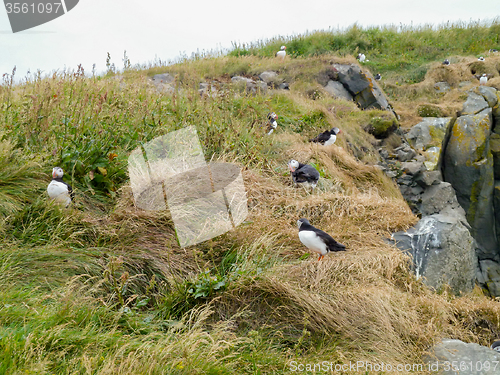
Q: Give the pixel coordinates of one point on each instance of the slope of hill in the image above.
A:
(104, 288)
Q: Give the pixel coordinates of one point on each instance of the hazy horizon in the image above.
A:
(159, 31)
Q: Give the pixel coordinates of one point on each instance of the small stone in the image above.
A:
(268, 76)
(442, 87)
(406, 155)
(412, 167)
(428, 178)
(383, 153)
(405, 180)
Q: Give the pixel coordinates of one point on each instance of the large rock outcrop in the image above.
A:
(468, 166)
(429, 137)
(350, 82)
(443, 251)
(466, 155)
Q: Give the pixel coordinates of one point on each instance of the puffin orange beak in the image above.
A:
(54, 174)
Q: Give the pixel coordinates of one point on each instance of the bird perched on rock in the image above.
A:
(272, 124)
(483, 80)
(446, 62)
(481, 58)
(496, 346)
(378, 77)
(281, 53)
(303, 174)
(328, 137)
(317, 240)
(59, 190)
(361, 57)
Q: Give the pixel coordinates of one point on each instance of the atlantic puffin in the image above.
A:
(481, 58)
(303, 174)
(281, 53)
(483, 80)
(378, 77)
(272, 124)
(446, 62)
(317, 240)
(59, 190)
(496, 346)
(361, 57)
(327, 137)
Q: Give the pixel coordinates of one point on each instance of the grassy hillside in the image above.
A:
(104, 288)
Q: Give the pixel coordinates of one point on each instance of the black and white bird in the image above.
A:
(59, 190)
(361, 57)
(496, 346)
(493, 50)
(281, 53)
(272, 124)
(483, 80)
(481, 58)
(328, 137)
(317, 240)
(303, 174)
(378, 77)
(446, 62)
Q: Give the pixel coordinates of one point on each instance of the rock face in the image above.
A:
(456, 357)
(337, 89)
(350, 82)
(429, 136)
(460, 174)
(468, 166)
(442, 250)
(474, 104)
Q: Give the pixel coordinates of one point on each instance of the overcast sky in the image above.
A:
(166, 29)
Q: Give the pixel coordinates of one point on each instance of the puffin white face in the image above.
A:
(283, 48)
(57, 172)
(302, 221)
(497, 349)
(272, 116)
(336, 131)
(293, 165)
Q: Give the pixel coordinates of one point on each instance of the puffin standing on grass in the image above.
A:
(281, 53)
(446, 62)
(378, 77)
(481, 59)
(59, 190)
(327, 137)
(303, 174)
(272, 124)
(483, 80)
(317, 240)
(361, 57)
